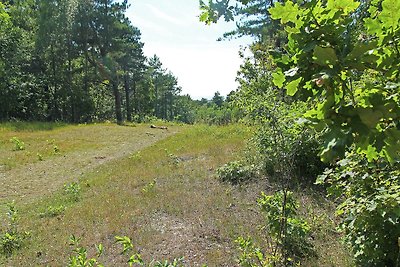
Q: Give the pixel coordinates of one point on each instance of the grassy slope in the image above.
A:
(187, 213)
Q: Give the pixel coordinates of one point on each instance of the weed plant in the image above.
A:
(149, 187)
(53, 211)
(79, 256)
(18, 144)
(12, 239)
(73, 190)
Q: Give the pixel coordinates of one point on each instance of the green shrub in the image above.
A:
(253, 256)
(370, 208)
(289, 235)
(79, 258)
(290, 232)
(298, 147)
(236, 172)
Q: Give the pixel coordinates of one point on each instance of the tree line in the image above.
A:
(80, 61)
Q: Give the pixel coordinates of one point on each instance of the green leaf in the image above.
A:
(390, 14)
(125, 242)
(278, 78)
(369, 116)
(286, 13)
(325, 56)
(373, 26)
(135, 259)
(346, 6)
(100, 250)
(360, 49)
(371, 153)
(293, 86)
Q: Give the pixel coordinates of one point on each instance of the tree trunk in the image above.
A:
(135, 104)
(156, 106)
(127, 99)
(117, 96)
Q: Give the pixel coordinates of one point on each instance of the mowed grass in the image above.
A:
(166, 198)
(48, 140)
(54, 155)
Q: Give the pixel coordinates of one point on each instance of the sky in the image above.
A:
(188, 48)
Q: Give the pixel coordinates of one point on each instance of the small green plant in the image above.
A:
(52, 142)
(289, 232)
(39, 156)
(135, 155)
(12, 238)
(53, 211)
(73, 189)
(18, 144)
(79, 258)
(173, 158)
(56, 149)
(289, 235)
(252, 256)
(149, 187)
(236, 172)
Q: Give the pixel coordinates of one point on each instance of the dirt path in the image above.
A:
(27, 182)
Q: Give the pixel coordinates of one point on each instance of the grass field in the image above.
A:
(156, 186)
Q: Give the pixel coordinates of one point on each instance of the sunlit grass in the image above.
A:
(183, 211)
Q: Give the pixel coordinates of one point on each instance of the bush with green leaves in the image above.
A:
(370, 208)
(342, 57)
(281, 139)
(345, 56)
(236, 172)
(12, 238)
(290, 232)
(300, 152)
(79, 258)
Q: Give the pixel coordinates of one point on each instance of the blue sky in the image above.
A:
(187, 47)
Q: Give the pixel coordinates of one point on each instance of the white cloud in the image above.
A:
(187, 47)
(201, 72)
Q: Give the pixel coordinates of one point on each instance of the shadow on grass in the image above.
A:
(23, 126)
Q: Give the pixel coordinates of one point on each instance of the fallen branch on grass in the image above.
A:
(158, 127)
